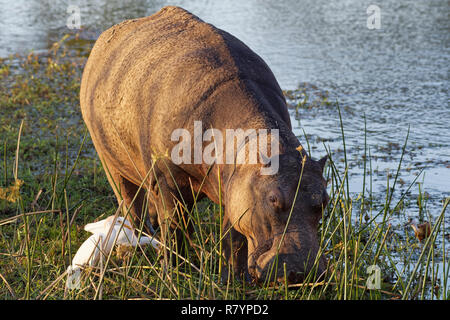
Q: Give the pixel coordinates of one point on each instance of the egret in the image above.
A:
(123, 227)
(106, 233)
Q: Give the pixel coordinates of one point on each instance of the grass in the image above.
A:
(52, 184)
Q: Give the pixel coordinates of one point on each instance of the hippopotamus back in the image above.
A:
(164, 71)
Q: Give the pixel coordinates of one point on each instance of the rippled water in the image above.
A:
(395, 77)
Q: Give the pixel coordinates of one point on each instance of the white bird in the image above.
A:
(127, 235)
(88, 254)
(90, 251)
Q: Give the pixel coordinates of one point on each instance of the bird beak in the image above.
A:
(95, 227)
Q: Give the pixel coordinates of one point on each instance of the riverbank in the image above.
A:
(52, 184)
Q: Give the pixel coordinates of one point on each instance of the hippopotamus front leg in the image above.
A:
(235, 250)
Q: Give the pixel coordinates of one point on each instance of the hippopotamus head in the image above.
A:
(279, 223)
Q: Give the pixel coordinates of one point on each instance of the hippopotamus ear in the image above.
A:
(322, 162)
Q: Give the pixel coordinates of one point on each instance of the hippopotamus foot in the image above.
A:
(235, 251)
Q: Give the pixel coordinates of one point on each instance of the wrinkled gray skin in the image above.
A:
(147, 77)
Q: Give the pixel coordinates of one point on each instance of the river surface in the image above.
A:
(386, 79)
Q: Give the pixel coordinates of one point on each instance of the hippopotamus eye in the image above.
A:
(275, 199)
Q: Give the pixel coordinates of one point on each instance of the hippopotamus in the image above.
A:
(147, 78)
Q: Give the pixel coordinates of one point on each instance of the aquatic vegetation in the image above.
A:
(11, 193)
